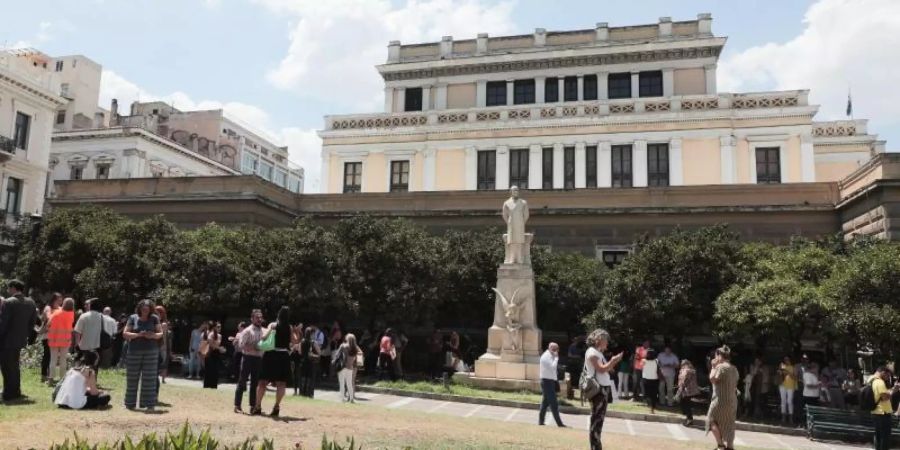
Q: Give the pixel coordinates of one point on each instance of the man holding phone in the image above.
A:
(549, 376)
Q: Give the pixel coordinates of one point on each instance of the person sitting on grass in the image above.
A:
(78, 389)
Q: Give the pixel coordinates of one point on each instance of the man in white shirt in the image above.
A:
(88, 329)
(549, 363)
(668, 364)
(109, 327)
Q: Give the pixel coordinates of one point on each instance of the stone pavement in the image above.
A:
(578, 422)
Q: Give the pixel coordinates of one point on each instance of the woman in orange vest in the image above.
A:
(59, 338)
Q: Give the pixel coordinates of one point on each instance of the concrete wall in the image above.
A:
(700, 158)
(450, 170)
(461, 95)
(690, 81)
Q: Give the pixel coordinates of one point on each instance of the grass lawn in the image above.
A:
(517, 396)
(38, 424)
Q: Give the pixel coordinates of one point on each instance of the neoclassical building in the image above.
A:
(609, 107)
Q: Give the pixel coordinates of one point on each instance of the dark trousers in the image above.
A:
(96, 401)
(9, 368)
(236, 359)
(250, 366)
(882, 431)
(687, 407)
(386, 367)
(45, 360)
(309, 377)
(651, 392)
(598, 415)
(548, 398)
(807, 401)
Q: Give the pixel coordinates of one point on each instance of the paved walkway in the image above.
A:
(612, 425)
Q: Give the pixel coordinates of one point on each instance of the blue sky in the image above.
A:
(280, 65)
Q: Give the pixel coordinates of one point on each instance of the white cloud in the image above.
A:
(335, 45)
(845, 44)
(303, 144)
(46, 32)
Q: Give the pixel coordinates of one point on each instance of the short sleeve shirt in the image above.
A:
(137, 325)
(602, 378)
(89, 326)
(386, 344)
(879, 388)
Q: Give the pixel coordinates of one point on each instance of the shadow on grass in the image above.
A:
(21, 401)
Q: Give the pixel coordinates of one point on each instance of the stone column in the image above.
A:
(471, 168)
(580, 88)
(326, 170)
(580, 170)
(388, 99)
(426, 98)
(635, 84)
(561, 90)
(440, 96)
(429, 170)
(559, 170)
(807, 158)
(481, 93)
(401, 99)
(502, 176)
(604, 165)
(726, 152)
(535, 166)
(639, 164)
(603, 86)
(676, 169)
(668, 82)
(510, 91)
(710, 71)
(539, 89)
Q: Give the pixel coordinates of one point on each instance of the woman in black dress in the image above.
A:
(276, 363)
(213, 362)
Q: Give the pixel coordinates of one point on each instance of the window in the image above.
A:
(59, 66)
(590, 169)
(590, 87)
(570, 89)
(551, 90)
(61, 117)
(547, 163)
(400, 176)
(613, 258)
(281, 178)
(768, 165)
(621, 166)
(76, 173)
(651, 84)
(496, 93)
(619, 85)
(23, 124)
(518, 168)
(658, 164)
(266, 169)
(103, 171)
(13, 195)
(248, 163)
(569, 168)
(413, 101)
(523, 92)
(294, 184)
(487, 170)
(352, 177)
(64, 89)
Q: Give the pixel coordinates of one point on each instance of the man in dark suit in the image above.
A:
(17, 318)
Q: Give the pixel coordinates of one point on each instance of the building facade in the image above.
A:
(213, 135)
(29, 99)
(79, 79)
(609, 107)
(121, 153)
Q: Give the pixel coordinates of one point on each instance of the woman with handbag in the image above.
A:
(687, 390)
(276, 364)
(596, 384)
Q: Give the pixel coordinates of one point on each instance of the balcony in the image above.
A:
(7, 149)
(569, 110)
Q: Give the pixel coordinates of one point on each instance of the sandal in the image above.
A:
(275, 412)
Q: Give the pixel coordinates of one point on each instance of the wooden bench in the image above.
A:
(833, 423)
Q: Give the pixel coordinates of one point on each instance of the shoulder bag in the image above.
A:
(267, 344)
(588, 385)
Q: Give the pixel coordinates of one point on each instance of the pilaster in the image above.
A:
(603, 86)
(535, 166)
(604, 165)
(807, 158)
(429, 170)
(639, 164)
(440, 96)
(726, 152)
(426, 98)
(676, 169)
(580, 172)
(502, 180)
(388, 99)
(668, 82)
(539, 83)
(710, 72)
(481, 93)
(558, 166)
(471, 168)
(635, 84)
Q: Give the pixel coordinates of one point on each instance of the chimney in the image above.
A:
(114, 113)
(704, 23)
(665, 26)
(602, 32)
(481, 44)
(540, 37)
(446, 46)
(393, 52)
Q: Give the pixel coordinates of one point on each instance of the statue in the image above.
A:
(511, 310)
(515, 214)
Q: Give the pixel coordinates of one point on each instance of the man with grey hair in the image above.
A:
(549, 362)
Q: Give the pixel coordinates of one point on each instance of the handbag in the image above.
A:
(589, 386)
(267, 344)
(204, 349)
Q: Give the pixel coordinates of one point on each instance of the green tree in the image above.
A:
(568, 286)
(468, 270)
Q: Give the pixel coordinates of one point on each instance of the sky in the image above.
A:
(279, 66)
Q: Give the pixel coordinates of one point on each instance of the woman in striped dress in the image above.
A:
(143, 332)
(723, 408)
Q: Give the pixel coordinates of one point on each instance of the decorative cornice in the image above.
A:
(52, 100)
(556, 63)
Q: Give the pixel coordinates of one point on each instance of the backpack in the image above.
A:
(337, 360)
(867, 398)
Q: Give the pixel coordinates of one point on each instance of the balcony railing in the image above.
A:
(7, 148)
(549, 111)
(839, 128)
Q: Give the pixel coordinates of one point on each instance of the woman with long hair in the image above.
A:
(165, 344)
(346, 376)
(52, 306)
(309, 362)
(687, 390)
(597, 368)
(59, 339)
(143, 332)
(723, 407)
(213, 361)
(276, 363)
(651, 374)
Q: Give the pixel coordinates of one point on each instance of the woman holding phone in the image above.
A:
(143, 332)
(598, 368)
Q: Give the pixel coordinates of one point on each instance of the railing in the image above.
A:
(839, 128)
(7, 145)
(599, 108)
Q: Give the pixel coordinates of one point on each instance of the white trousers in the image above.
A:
(667, 390)
(58, 362)
(787, 400)
(623, 384)
(345, 384)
